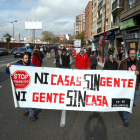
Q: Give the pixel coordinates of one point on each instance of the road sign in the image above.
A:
(21, 79)
(77, 43)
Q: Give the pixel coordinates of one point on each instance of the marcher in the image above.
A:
(111, 63)
(120, 53)
(57, 57)
(131, 64)
(36, 60)
(48, 52)
(82, 60)
(70, 51)
(24, 62)
(93, 60)
(138, 55)
(40, 55)
(65, 59)
(29, 52)
(56, 50)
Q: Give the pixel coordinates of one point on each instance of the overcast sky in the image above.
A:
(57, 16)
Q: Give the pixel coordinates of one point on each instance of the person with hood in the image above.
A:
(111, 63)
(36, 60)
(24, 62)
(82, 60)
(131, 64)
(65, 59)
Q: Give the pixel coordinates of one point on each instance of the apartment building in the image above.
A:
(79, 24)
(107, 12)
(130, 24)
(88, 21)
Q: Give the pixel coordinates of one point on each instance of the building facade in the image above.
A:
(106, 17)
(88, 21)
(130, 24)
(79, 24)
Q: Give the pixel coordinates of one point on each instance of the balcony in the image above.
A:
(115, 24)
(100, 17)
(117, 5)
(99, 30)
(100, 5)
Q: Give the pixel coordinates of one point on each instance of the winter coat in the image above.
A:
(65, 60)
(48, 50)
(36, 61)
(19, 63)
(82, 62)
(93, 60)
(110, 65)
(123, 66)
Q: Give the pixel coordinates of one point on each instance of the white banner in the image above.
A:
(69, 89)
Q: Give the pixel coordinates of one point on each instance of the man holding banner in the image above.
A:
(131, 64)
(24, 62)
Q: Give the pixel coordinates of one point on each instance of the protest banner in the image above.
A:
(69, 89)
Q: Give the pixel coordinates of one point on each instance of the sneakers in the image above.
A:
(26, 113)
(32, 118)
(125, 123)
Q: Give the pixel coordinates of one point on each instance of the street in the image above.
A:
(79, 125)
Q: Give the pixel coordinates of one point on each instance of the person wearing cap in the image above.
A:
(82, 60)
(65, 59)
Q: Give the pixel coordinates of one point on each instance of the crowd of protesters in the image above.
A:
(84, 60)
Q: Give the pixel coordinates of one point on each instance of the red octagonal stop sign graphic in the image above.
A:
(21, 79)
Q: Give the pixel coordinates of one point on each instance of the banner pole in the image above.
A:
(63, 118)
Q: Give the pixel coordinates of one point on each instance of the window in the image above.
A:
(107, 21)
(132, 3)
(113, 1)
(99, 1)
(101, 11)
(99, 25)
(94, 6)
(104, 8)
(107, 5)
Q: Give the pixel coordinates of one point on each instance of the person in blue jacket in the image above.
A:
(24, 62)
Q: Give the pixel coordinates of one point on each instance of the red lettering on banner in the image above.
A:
(104, 101)
(102, 81)
(52, 76)
(77, 81)
(66, 80)
(55, 96)
(99, 100)
(72, 81)
(60, 80)
(109, 82)
(49, 97)
(96, 100)
(130, 83)
(124, 81)
(35, 97)
(42, 97)
(116, 82)
(87, 96)
(61, 98)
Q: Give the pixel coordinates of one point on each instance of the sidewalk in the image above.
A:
(101, 65)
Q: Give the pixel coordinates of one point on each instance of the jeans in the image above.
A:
(126, 114)
(31, 111)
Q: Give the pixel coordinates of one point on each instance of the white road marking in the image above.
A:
(0, 86)
(54, 62)
(6, 60)
(6, 64)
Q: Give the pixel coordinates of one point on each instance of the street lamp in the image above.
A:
(13, 31)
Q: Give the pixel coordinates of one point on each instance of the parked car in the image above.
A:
(19, 52)
(3, 51)
(14, 49)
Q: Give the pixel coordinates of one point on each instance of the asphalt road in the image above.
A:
(79, 125)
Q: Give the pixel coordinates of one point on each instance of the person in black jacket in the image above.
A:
(65, 59)
(110, 64)
(48, 49)
(57, 57)
(93, 60)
